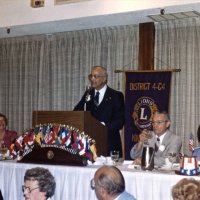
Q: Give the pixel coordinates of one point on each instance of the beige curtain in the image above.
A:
(178, 46)
(49, 72)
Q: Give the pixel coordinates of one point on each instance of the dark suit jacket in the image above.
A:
(1, 197)
(110, 111)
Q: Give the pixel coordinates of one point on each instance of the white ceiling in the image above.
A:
(22, 19)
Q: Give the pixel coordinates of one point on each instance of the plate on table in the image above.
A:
(132, 166)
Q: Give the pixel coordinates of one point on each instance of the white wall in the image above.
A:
(19, 12)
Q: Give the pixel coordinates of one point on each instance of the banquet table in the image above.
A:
(73, 182)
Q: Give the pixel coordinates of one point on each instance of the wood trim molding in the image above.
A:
(146, 46)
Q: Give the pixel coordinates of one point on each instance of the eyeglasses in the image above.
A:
(92, 184)
(158, 122)
(28, 189)
(90, 76)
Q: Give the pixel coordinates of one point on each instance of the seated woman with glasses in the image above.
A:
(109, 183)
(39, 184)
(161, 139)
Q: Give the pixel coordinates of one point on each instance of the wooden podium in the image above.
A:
(78, 119)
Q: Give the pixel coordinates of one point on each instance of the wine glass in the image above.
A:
(114, 156)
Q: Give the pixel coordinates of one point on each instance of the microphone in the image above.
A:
(88, 88)
(87, 97)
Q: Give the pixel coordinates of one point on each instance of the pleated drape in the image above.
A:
(178, 46)
(49, 72)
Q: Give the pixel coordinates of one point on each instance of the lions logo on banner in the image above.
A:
(142, 112)
(145, 93)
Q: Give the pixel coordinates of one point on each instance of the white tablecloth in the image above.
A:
(73, 183)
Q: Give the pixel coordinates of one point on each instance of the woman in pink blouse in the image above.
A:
(6, 136)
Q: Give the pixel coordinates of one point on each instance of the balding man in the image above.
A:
(106, 105)
(109, 184)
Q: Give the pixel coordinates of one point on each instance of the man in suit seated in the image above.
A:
(109, 183)
(106, 105)
(161, 139)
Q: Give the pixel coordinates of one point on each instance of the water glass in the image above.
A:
(114, 156)
(3, 150)
(172, 157)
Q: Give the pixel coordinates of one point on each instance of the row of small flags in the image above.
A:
(52, 134)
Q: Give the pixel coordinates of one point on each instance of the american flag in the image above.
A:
(191, 142)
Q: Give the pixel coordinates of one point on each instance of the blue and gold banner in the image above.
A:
(145, 92)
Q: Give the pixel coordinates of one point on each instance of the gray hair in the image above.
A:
(104, 71)
(46, 181)
(112, 180)
(163, 113)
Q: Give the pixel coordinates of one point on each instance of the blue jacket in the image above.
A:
(196, 153)
(126, 196)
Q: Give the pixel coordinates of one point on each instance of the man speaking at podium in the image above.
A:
(106, 105)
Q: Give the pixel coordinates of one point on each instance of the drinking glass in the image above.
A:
(114, 156)
(148, 134)
(172, 157)
(3, 150)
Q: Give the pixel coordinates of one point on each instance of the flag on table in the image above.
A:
(191, 142)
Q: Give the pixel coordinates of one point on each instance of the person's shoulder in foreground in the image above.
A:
(109, 183)
(186, 189)
(126, 196)
(1, 197)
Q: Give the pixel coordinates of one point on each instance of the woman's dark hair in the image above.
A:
(5, 118)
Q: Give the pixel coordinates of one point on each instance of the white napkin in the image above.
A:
(100, 160)
(167, 165)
